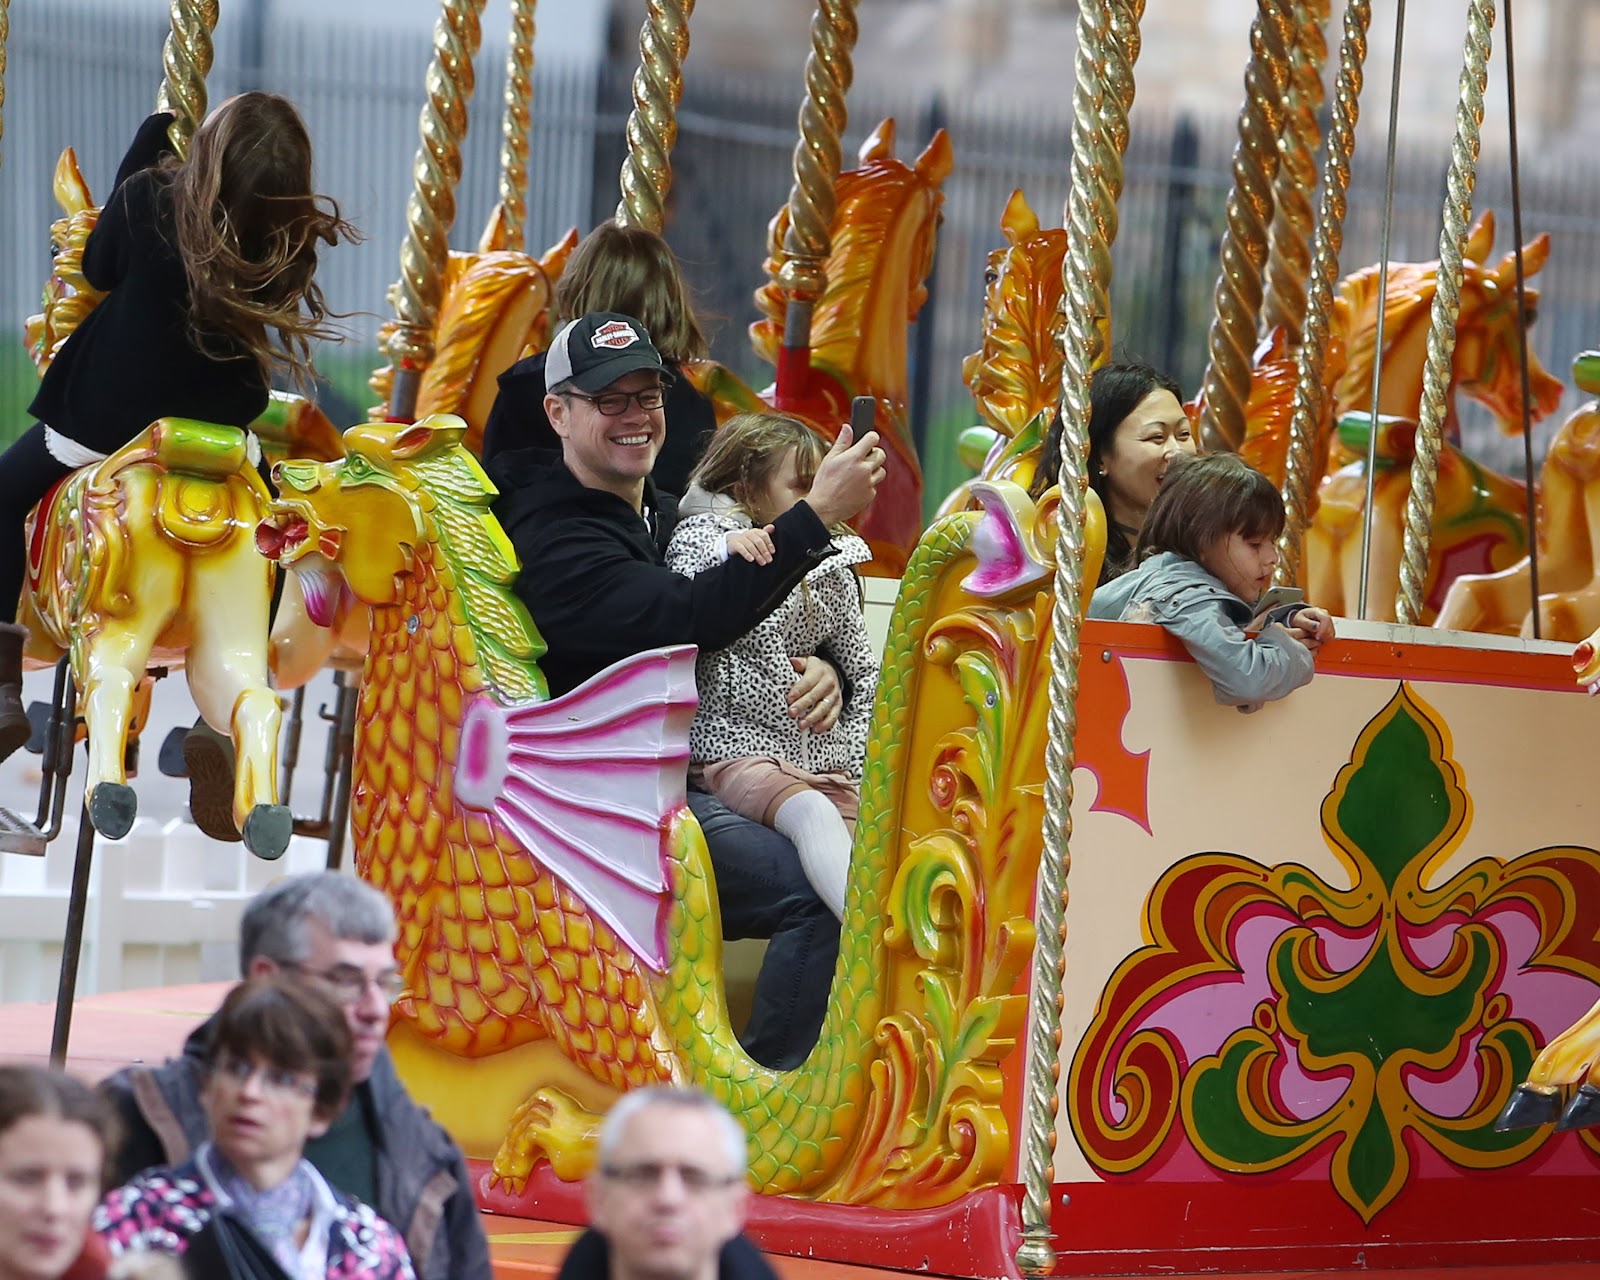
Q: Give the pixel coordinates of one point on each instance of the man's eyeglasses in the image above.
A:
(347, 984)
(277, 1080)
(613, 404)
(646, 1174)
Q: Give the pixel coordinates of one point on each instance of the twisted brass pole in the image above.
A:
(5, 35)
(1108, 43)
(185, 62)
(653, 122)
(1289, 260)
(1459, 183)
(431, 208)
(1310, 396)
(812, 199)
(1237, 297)
(516, 123)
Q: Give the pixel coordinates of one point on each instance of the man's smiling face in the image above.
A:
(611, 452)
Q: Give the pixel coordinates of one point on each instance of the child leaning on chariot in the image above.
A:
(205, 262)
(1204, 558)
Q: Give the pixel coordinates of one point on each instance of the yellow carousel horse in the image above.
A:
(148, 558)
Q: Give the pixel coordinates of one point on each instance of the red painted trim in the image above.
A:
(976, 1236)
(1416, 662)
(1253, 1224)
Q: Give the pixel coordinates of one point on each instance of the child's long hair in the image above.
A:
(747, 450)
(1204, 499)
(248, 223)
(635, 272)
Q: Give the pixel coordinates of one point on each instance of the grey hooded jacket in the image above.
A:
(1182, 597)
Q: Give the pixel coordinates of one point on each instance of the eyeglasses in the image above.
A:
(648, 1173)
(347, 984)
(276, 1080)
(613, 404)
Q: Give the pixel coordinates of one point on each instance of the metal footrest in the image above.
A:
(18, 835)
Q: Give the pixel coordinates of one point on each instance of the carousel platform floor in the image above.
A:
(116, 1030)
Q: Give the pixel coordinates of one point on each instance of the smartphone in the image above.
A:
(863, 416)
(1276, 597)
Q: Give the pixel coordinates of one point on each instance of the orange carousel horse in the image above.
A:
(882, 239)
(1478, 524)
(1015, 380)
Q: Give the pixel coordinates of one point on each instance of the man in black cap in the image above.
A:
(592, 532)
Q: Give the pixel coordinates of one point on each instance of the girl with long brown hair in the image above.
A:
(746, 745)
(209, 264)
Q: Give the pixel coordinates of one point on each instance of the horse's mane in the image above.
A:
(455, 496)
(1411, 289)
(870, 200)
(1020, 359)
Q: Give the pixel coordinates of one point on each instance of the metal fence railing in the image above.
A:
(361, 94)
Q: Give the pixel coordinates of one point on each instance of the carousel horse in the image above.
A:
(554, 893)
(1569, 532)
(1017, 369)
(494, 310)
(1478, 523)
(882, 239)
(147, 558)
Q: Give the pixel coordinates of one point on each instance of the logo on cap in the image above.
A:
(614, 334)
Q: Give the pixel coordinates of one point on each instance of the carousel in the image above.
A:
(1128, 984)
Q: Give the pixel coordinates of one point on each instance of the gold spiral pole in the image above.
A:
(517, 123)
(1237, 298)
(653, 122)
(1108, 43)
(812, 199)
(5, 35)
(185, 62)
(1289, 259)
(431, 209)
(1459, 182)
(1310, 396)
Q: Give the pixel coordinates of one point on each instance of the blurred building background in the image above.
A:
(996, 73)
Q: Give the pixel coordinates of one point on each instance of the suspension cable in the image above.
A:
(1383, 299)
(1522, 327)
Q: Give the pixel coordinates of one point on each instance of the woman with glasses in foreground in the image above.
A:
(248, 1204)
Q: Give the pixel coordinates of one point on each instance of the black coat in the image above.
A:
(517, 420)
(594, 573)
(132, 359)
(590, 1259)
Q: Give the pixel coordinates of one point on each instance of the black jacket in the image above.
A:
(132, 359)
(594, 573)
(424, 1190)
(590, 1259)
(517, 420)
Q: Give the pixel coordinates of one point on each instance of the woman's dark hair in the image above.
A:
(292, 1026)
(248, 223)
(35, 1091)
(1116, 389)
(1204, 499)
(632, 271)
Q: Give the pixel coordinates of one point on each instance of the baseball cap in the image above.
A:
(595, 350)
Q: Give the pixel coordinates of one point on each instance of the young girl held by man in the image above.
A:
(209, 267)
(746, 747)
(1205, 557)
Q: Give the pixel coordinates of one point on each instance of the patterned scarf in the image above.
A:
(274, 1214)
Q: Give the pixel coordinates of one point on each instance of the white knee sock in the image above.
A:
(823, 839)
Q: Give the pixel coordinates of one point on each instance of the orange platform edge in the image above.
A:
(123, 1028)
